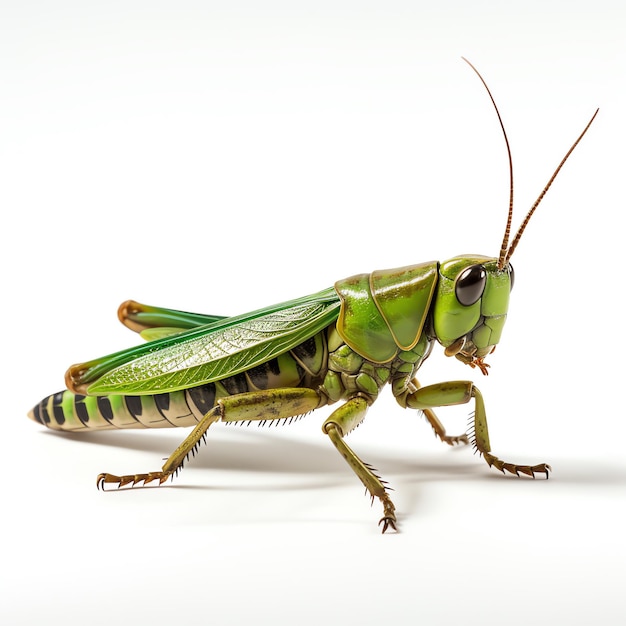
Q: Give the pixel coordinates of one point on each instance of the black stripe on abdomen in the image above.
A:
(201, 398)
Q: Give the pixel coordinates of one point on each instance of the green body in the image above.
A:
(367, 331)
(341, 344)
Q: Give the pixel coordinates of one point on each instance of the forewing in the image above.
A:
(208, 353)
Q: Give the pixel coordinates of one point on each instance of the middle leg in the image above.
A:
(343, 420)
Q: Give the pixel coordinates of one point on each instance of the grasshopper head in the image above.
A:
(471, 306)
(473, 291)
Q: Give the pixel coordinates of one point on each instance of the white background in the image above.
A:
(224, 156)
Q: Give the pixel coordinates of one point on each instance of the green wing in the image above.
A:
(207, 353)
(150, 334)
(153, 322)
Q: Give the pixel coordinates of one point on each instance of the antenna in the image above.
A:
(506, 254)
(509, 219)
(521, 229)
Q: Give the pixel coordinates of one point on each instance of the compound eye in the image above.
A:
(511, 276)
(470, 285)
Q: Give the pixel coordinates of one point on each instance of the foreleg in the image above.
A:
(437, 426)
(461, 392)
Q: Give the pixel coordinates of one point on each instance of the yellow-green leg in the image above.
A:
(437, 426)
(254, 406)
(340, 423)
(461, 392)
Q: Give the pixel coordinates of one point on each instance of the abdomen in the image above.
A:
(304, 366)
(72, 412)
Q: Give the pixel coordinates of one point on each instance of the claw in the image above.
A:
(387, 522)
(107, 478)
(389, 516)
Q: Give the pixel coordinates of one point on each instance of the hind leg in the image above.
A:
(270, 404)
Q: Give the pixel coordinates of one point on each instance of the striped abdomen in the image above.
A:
(304, 366)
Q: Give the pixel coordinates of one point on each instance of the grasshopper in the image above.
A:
(342, 344)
